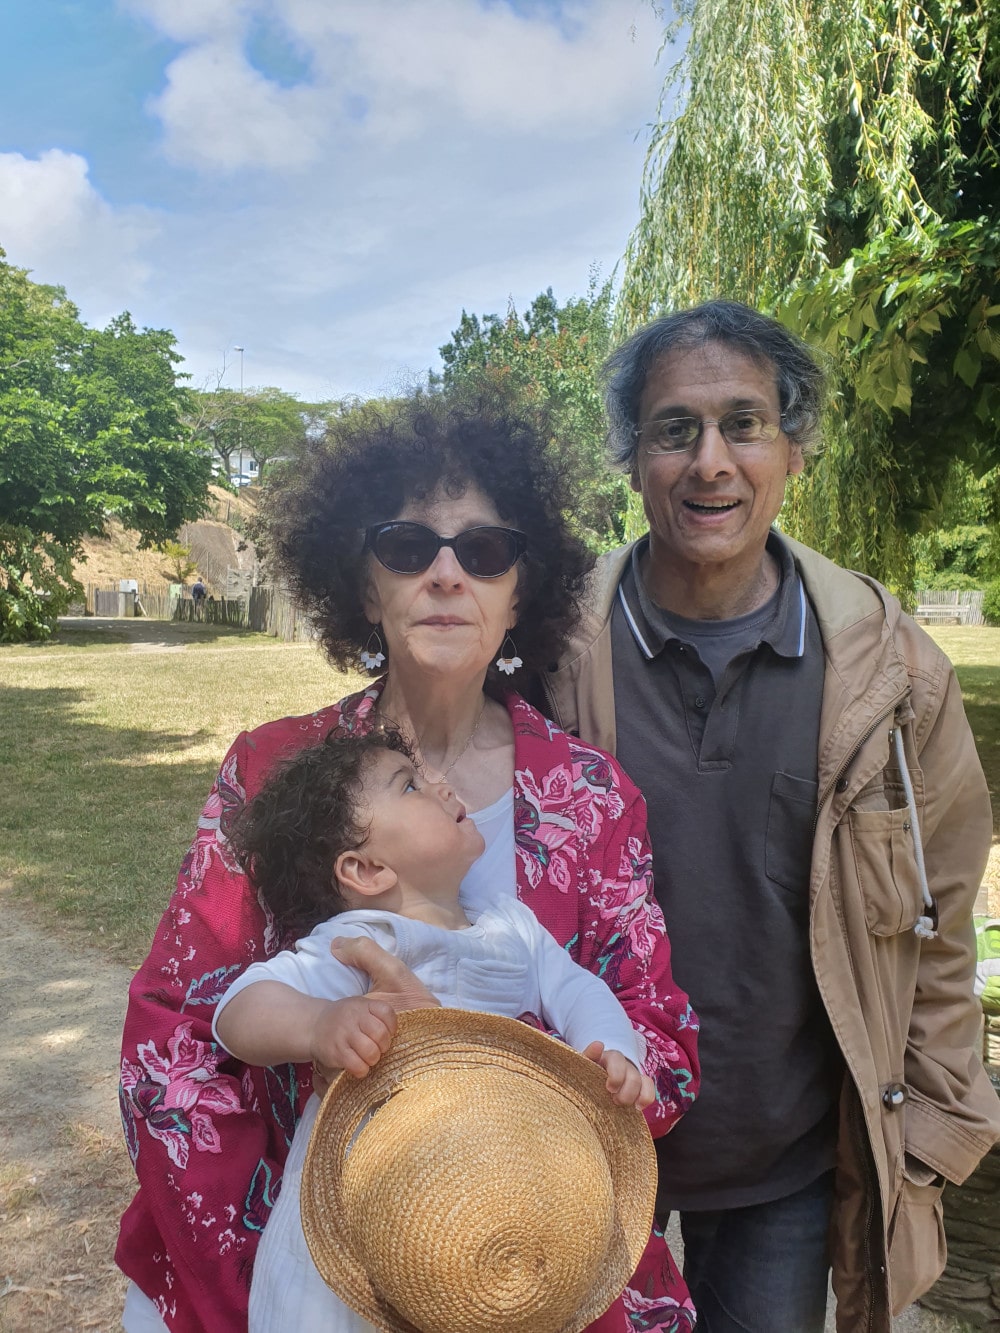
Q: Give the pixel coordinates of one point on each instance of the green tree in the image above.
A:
(551, 356)
(272, 424)
(179, 557)
(836, 162)
(963, 551)
(90, 426)
(213, 417)
(262, 424)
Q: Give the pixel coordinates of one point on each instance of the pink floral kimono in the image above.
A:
(208, 1136)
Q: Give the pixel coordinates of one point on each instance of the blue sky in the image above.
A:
(327, 183)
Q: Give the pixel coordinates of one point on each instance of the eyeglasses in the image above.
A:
(678, 435)
(410, 548)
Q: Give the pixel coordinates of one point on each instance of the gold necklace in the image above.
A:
(461, 754)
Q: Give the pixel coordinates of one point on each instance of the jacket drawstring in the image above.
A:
(926, 925)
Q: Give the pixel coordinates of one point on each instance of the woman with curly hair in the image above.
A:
(430, 542)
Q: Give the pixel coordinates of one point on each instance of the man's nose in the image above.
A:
(711, 456)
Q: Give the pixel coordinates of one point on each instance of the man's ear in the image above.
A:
(634, 482)
(357, 872)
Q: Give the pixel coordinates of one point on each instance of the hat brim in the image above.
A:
(428, 1042)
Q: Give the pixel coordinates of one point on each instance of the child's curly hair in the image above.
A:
(289, 835)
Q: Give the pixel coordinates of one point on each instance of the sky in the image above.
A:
(325, 183)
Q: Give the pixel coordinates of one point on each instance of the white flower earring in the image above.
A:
(372, 659)
(508, 661)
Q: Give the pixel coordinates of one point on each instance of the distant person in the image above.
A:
(349, 839)
(198, 594)
(820, 823)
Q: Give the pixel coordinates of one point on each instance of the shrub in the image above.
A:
(991, 602)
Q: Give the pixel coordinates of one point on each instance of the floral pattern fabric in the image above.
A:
(209, 1136)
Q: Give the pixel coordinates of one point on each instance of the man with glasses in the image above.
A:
(820, 823)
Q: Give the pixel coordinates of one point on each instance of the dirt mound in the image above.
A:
(215, 548)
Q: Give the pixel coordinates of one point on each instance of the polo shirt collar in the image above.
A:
(785, 632)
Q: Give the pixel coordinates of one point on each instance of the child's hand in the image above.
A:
(352, 1034)
(627, 1085)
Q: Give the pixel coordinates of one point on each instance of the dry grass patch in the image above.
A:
(58, 1236)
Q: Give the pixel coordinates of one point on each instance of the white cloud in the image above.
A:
(391, 70)
(484, 157)
(53, 221)
(491, 66)
(194, 20)
(219, 112)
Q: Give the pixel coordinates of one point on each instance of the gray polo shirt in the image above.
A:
(718, 723)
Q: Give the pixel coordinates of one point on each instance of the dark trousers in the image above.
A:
(764, 1268)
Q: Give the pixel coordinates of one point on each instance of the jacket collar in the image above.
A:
(865, 676)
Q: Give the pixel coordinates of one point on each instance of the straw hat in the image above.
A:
(479, 1180)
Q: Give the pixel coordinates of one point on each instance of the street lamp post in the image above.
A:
(243, 400)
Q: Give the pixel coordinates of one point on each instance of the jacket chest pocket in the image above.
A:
(886, 867)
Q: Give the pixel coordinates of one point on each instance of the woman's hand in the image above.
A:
(627, 1085)
(356, 1039)
(392, 980)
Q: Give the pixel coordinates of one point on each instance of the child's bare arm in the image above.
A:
(270, 1023)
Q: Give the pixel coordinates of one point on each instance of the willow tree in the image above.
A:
(836, 162)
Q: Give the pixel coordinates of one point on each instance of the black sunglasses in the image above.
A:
(410, 548)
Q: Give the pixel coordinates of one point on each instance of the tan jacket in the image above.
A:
(917, 1103)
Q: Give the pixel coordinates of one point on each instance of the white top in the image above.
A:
(493, 875)
(506, 963)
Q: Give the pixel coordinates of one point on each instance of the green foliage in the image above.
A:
(991, 602)
(179, 556)
(36, 584)
(837, 164)
(954, 557)
(964, 551)
(272, 425)
(551, 356)
(213, 418)
(90, 426)
(259, 424)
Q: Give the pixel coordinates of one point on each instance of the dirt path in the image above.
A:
(64, 1173)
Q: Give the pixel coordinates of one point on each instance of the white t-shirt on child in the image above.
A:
(504, 963)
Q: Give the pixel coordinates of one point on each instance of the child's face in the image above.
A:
(418, 828)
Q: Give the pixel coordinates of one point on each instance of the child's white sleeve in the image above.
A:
(578, 1005)
(309, 968)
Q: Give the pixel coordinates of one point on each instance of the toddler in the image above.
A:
(347, 839)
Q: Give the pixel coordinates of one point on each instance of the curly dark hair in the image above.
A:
(289, 835)
(377, 458)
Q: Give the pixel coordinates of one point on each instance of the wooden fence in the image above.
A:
(950, 608)
(266, 610)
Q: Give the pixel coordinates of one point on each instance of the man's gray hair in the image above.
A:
(801, 380)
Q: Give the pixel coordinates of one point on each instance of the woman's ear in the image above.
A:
(358, 873)
(370, 602)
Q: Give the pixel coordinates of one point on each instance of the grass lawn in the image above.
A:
(108, 747)
(975, 652)
(110, 739)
